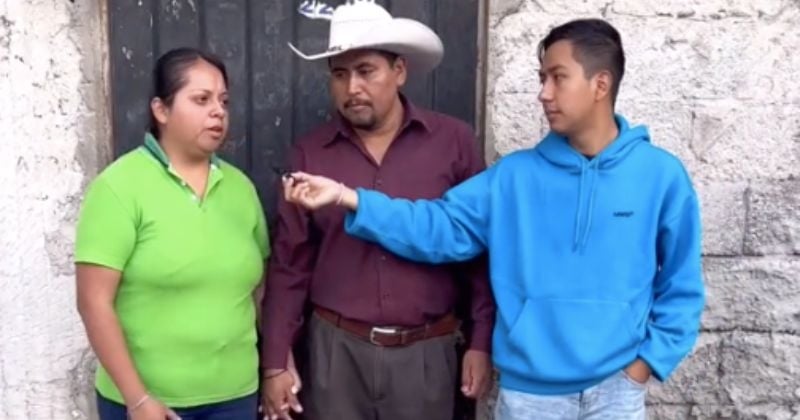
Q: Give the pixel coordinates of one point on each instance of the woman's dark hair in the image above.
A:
(169, 75)
(595, 44)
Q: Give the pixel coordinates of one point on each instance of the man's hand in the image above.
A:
(313, 192)
(280, 392)
(639, 371)
(476, 374)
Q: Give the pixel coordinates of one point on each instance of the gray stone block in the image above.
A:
(773, 219)
(723, 216)
(696, 381)
(761, 369)
(759, 294)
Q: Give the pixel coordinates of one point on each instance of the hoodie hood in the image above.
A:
(557, 150)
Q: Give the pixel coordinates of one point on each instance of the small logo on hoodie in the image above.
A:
(623, 213)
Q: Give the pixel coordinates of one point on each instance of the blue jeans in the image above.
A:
(245, 408)
(617, 398)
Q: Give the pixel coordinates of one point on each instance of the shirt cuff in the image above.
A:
(480, 337)
(275, 352)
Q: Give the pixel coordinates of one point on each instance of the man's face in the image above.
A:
(364, 85)
(567, 95)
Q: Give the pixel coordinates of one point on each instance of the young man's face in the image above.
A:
(364, 85)
(567, 95)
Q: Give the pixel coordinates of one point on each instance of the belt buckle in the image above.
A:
(380, 330)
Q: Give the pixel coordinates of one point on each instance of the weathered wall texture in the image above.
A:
(53, 119)
(718, 83)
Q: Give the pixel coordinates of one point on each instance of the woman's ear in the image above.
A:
(160, 110)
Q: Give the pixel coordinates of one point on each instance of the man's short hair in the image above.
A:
(596, 46)
(388, 55)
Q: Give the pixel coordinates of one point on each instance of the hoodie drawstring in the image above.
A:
(576, 239)
(590, 213)
(582, 237)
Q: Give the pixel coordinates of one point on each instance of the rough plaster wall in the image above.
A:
(52, 114)
(717, 82)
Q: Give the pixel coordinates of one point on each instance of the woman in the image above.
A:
(170, 251)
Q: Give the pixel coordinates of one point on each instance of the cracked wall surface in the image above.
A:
(717, 82)
(53, 116)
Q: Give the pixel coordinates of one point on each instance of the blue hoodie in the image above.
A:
(594, 263)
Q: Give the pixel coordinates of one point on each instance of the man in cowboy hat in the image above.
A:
(594, 238)
(382, 333)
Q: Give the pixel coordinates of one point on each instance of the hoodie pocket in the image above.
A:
(565, 340)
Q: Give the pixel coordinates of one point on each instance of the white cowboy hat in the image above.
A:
(363, 24)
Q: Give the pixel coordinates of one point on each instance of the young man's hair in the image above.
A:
(596, 46)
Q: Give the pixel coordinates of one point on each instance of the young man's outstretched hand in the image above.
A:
(314, 192)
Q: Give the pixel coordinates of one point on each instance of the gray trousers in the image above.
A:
(350, 379)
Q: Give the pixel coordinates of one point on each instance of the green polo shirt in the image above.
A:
(189, 267)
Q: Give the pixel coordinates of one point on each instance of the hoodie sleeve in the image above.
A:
(453, 228)
(678, 289)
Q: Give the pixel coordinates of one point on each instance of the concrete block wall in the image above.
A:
(55, 137)
(717, 83)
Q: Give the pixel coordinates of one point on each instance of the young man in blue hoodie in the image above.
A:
(593, 237)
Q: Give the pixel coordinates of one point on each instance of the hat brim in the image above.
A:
(418, 44)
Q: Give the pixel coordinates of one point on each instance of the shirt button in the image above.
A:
(383, 257)
(378, 182)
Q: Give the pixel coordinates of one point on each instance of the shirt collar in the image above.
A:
(154, 147)
(411, 114)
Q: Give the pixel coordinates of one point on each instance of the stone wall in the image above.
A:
(53, 118)
(717, 81)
